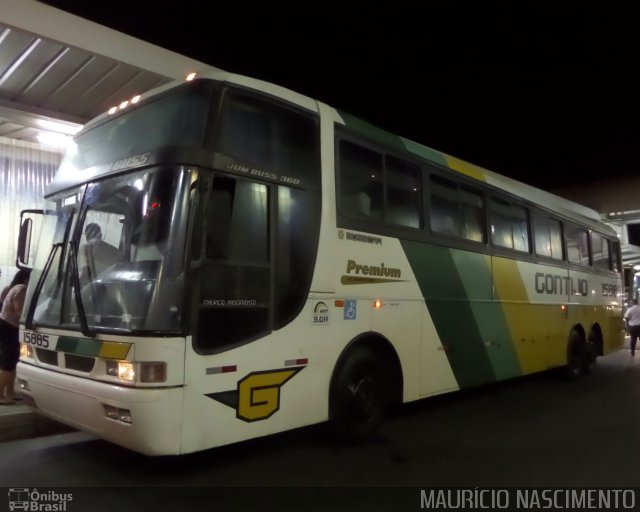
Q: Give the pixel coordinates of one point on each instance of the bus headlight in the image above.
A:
(26, 351)
(122, 369)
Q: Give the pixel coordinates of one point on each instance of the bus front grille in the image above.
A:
(79, 363)
(47, 356)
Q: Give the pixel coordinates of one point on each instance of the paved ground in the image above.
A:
(540, 431)
(19, 422)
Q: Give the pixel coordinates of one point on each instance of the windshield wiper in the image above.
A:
(75, 275)
(36, 293)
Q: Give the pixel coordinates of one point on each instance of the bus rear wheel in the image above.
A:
(577, 355)
(594, 349)
(359, 396)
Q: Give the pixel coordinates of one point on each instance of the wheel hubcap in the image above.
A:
(364, 397)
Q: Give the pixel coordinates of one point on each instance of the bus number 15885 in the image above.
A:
(34, 338)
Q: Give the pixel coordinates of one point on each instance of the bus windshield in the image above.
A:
(126, 258)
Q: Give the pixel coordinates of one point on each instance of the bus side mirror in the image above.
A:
(24, 238)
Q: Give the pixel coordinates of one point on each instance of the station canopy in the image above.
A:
(57, 70)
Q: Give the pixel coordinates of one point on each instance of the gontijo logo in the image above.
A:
(258, 394)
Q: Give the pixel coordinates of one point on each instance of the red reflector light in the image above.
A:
(296, 362)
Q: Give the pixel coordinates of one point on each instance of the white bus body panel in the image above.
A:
(78, 398)
(79, 402)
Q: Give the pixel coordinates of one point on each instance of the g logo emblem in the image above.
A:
(258, 394)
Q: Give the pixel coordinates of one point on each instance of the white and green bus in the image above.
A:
(279, 263)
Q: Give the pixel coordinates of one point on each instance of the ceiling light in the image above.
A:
(54, 139)
(59, 127)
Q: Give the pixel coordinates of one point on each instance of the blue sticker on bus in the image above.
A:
(350, 309)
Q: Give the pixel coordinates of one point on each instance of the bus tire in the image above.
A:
(358, 399)
(591, 352)
(576, 355)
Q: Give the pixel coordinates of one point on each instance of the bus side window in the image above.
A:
(361, 182)
(509, 225)
(219, 215)
(235, 278)
(577, 245)
(456, 210)
(615, 256)
(601, 252)
(403, 193)
(548, 237)
(270, 136)
(472, 210)
(444, 207)
(295, 251)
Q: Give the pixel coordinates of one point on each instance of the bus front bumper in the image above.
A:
(146, 420)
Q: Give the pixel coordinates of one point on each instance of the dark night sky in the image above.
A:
(544, 94)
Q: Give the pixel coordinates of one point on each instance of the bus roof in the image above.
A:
(222, 76)
(535, 195)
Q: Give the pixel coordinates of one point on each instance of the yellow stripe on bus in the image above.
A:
(525, 323)
(465, 168)
(114, 350)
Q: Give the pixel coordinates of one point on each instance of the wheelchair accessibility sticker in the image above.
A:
(350, 309)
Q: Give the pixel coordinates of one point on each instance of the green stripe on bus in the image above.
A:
(391, 140)
(424, 152)
(84, 347)
(453, 316)
(475, 272)
(372, 132)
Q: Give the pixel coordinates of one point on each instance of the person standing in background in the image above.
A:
(632, 322)
(5, 290)
(9, 344)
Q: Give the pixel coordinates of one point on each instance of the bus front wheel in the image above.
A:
(358, 398)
